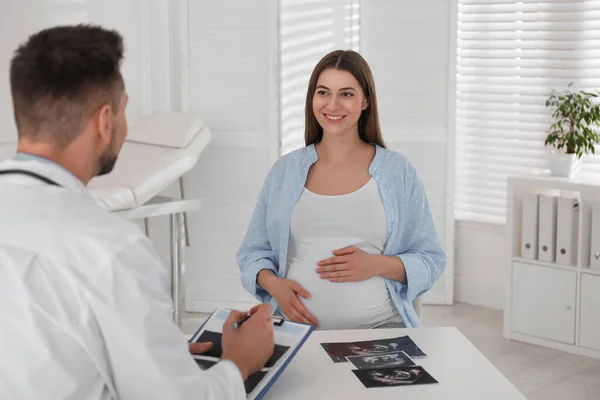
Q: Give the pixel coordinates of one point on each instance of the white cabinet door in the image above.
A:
(589, 333)
(543, 302)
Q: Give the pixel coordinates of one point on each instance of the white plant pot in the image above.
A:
(564, 165)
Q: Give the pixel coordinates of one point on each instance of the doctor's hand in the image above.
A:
(286, 292)
(251, 345)
(200, 347)
(349, 264)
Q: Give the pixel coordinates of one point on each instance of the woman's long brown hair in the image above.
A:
(368, 123)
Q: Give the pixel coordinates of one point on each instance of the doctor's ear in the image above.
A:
(365, 104)
(105, 123)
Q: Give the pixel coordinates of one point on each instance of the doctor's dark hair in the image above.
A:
(368, 123)
(60, 76)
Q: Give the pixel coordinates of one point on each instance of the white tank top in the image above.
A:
(321, 224)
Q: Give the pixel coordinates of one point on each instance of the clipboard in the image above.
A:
(289, 338)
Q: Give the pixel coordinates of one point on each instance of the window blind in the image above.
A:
(510, 55)
(308, 30)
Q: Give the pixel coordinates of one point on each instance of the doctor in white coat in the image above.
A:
(83, 310)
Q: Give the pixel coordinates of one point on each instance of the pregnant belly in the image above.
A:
(345, 305)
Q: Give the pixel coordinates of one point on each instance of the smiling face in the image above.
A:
(338, 102)
(356, 110)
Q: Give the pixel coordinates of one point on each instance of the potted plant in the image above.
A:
(573, 132)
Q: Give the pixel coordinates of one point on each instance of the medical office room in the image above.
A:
(474, 271)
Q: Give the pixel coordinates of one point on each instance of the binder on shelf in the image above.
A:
(595, 236)
(529, 226)
(567, 224)
(547, 228)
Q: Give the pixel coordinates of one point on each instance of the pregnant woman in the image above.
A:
(342, 236)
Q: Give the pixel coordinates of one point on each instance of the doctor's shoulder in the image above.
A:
(106, 228)
(87, 239)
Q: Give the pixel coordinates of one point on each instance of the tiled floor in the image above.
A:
(539, 373)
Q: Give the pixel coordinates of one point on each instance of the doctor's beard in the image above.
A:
(109, 158)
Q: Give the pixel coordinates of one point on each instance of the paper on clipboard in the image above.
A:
(289, 337)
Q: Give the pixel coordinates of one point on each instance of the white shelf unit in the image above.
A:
(546, 303)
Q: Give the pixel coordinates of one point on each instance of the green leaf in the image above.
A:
(574, 115)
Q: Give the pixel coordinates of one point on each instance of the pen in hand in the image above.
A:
(239, 322)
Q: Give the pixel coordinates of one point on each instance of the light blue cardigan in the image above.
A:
(411, 234)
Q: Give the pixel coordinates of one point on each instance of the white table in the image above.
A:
(462, 371)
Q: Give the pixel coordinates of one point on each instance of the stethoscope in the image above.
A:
(28, 173)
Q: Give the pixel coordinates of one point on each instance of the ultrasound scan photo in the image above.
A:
(339, 351)
(400, 376)
(386, 360)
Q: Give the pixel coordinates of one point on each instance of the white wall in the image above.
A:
(12, 32)
(480, 262)
(143, 23)
(232, 65)
(408, 46)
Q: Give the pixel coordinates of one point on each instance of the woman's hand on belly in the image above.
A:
(349, 264)
(286, 292)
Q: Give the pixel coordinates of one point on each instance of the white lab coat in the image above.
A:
(83, 309)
